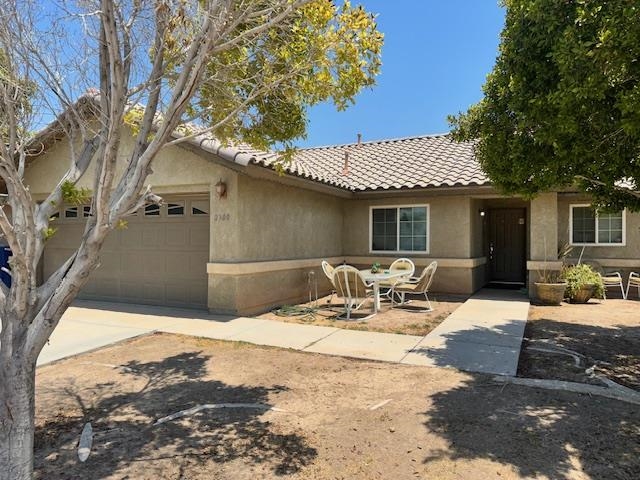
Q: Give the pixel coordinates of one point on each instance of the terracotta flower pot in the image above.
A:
(550, 293)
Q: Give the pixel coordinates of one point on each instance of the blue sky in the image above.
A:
(436, 56)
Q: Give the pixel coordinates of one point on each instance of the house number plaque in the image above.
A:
(221, 217)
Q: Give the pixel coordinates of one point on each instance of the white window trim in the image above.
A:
(177, 203)
(149, 215)
(78, 210)
(398, 207)
(597, 243)
(205, 204)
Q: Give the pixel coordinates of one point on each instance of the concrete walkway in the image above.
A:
(484, 337)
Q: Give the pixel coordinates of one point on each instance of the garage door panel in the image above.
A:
(175, 264)
(132, 236)
(109, 265)
(53, 261)
(158, 260)
(177, 235)
(199, 236)
(132, 264)
(154, 264)
(70, 236)
(198, 265)
(112, 243)
(177, 293)
(131, 291)
(198, 293)
(104, 287)
(153, 292)
(153, 236)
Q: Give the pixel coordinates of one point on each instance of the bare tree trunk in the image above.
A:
(17, 413)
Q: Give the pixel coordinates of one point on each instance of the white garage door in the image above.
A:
(160, 258)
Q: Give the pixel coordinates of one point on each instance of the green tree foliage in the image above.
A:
(258, 92)
(562, 104)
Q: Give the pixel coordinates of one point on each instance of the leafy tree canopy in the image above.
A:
(258, 91)
(562, 104)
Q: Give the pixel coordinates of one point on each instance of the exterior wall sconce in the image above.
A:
(482, 212)
(221, 189)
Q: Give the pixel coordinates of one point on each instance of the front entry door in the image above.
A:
(507, 235)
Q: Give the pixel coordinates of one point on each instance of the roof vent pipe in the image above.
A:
(345, 169)
(359, 139)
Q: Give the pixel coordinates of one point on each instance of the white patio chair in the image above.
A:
(634, 281)
(328, 271)
(613, 280)
(398, 264)
(351, 286)
(609, 279)
(417, 286)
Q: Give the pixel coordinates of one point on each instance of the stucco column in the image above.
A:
(224, 244)
(544, 227)
(543, 237)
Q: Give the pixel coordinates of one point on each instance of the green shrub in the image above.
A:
(578, 276)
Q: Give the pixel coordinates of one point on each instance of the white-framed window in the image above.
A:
(86, 211)
(199, 207)
(402, 228)
(71, 212)
(175, 209)
(152, 210)
(587, 226)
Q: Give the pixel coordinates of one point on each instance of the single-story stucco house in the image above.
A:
(254, 247)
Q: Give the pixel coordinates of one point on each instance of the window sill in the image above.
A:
(598, 244)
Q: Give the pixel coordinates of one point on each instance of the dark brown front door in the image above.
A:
(507, 245)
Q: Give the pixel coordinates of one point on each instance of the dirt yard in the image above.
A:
(407, 320)
(335, 424)
(606, 333)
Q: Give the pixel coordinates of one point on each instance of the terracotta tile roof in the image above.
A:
(400, 163)
(403, 163)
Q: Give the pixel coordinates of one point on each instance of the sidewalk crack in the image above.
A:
(319, 339)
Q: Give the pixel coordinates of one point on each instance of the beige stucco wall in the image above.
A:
(260, 292)
(284, 222)
(270, 221)
(449, 224)
(175, 170)
(264, 220)
(631, 249)
(455, 232)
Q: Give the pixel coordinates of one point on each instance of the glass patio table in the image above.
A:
(375, 278)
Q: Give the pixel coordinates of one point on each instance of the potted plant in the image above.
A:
(583, 283)
(375, 268)
(551, 286)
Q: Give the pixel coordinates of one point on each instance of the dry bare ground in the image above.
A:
(438, 424)
(409, 320)
(605, 333)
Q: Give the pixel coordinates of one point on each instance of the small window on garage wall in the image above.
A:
(175, 209)
(152, 210)
(71, 212)
(199, 207)
(86, 211)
